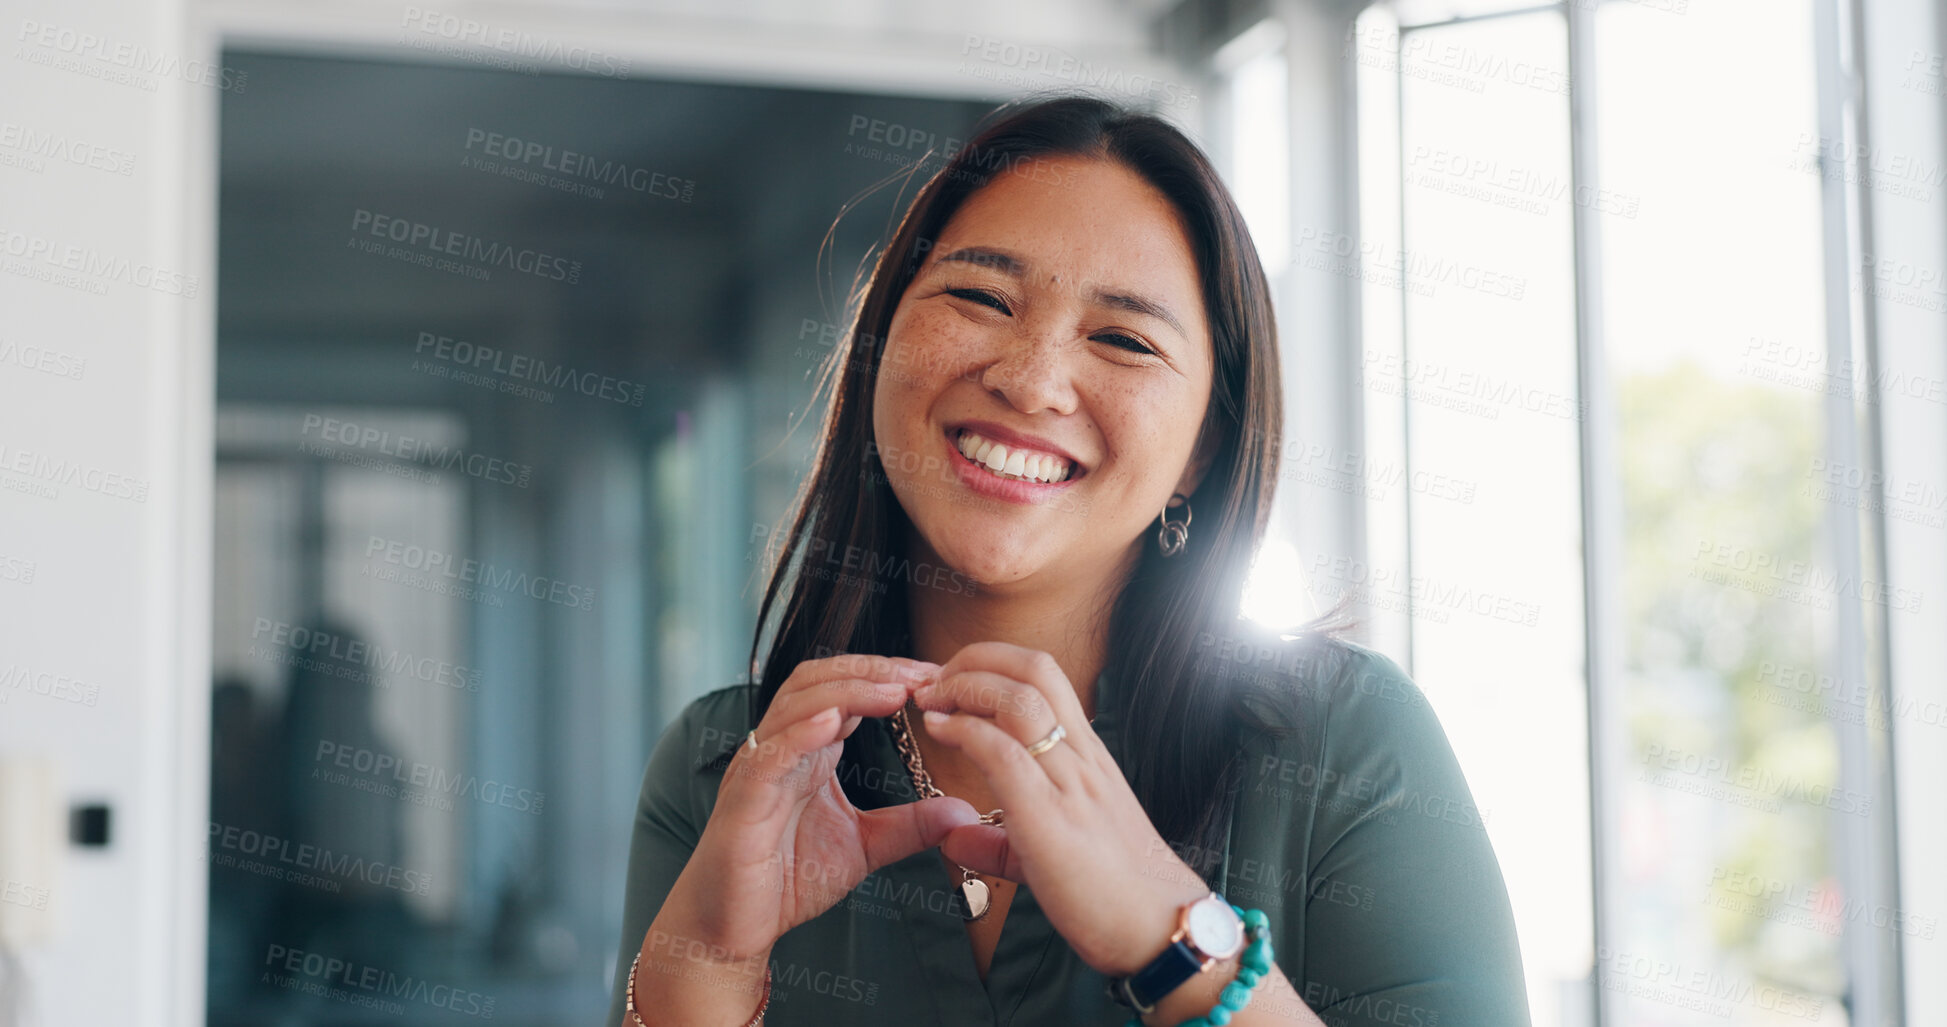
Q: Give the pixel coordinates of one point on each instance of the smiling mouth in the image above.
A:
(1013, 463)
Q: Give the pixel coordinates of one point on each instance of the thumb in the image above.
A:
(892, 833)
(983, 849)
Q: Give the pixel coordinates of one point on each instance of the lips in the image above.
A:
(1018, 462)
(1009, 488)
(1014, 440)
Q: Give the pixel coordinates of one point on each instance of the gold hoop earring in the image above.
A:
(1173, 535)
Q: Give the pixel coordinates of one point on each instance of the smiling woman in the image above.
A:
(1068, 343)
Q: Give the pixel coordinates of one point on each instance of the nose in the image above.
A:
(1033, 374)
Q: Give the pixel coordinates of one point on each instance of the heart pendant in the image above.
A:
(974, 890)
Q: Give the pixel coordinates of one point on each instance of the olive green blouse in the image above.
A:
(1356, 835)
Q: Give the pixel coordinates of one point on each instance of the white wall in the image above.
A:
(98, 472)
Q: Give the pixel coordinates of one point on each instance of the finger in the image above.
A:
(1030, 666)
(763, 781)
(1012, 703)
(806, 736)
(1039, 670)
(892, 833)
(860, 666)
(777, 762)
(1018, 781)
(984, 849)
(1017, 708)
(854, 697)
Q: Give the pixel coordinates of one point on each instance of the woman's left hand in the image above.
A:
(1073, 830)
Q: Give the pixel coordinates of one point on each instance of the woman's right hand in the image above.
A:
(784, 844)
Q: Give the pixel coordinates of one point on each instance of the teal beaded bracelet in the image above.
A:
(1255, 965)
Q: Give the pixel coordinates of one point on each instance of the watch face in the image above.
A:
(1215, 928)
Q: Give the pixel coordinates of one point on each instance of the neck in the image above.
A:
(1065, 616)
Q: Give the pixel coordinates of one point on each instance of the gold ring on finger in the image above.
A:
(1049, 742)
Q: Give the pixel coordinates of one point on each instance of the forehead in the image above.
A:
(1082, 220)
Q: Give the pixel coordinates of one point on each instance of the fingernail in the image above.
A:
(924, 692)
(934, 718)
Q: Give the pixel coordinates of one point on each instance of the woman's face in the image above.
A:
(1059, 316)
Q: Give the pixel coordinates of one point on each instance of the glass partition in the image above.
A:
(506, 364)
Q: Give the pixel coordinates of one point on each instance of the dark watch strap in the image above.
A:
(1146, 987)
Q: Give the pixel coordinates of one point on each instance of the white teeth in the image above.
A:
(1016, 463)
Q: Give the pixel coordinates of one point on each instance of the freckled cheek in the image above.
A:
(1137, 426)
(931, 348)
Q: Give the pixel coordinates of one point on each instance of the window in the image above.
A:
(1596, 262)
(1465, 260)
(1733, 810)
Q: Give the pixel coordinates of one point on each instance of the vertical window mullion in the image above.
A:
(1865, 850)
(1405, 348)
(1601, 518)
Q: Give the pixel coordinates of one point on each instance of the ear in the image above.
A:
(1200, 458)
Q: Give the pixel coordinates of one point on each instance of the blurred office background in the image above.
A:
(346, 578)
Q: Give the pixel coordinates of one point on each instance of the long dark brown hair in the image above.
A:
(1180, 715)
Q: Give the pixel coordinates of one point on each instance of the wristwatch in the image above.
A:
(1208, 931)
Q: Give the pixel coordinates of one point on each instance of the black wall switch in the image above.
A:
(88, 825)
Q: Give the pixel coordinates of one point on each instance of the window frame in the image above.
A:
(1856, 537)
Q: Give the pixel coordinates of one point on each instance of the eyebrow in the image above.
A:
(1013, 266)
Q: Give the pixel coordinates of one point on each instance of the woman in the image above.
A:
(1048, 462)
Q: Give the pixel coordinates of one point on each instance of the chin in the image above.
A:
(991, 557)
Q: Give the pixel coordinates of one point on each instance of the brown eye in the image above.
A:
(981, 296)
(1123, 341)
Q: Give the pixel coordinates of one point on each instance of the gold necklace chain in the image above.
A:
(973, 890)
(902, 736)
